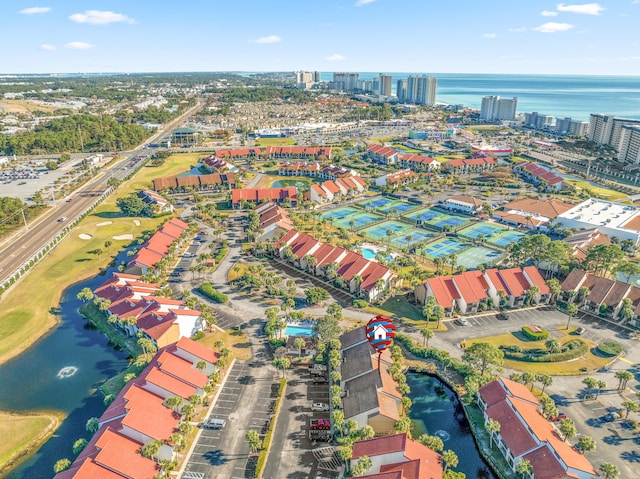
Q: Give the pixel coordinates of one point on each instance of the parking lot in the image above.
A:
(295, 459)
(246, 403)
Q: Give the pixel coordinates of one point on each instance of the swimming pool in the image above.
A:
(296, 330)
(368, 253)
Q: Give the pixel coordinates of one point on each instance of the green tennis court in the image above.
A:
(445, 247)
(340, 213)
(379, 231)
(477, 255)
(487, 230)
(422, 215)
(399, 207)
(411, 237)
(375, 203)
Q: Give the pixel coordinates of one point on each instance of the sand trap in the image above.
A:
(127, 236)
(85, 236)
(136, 222)
(105, 223)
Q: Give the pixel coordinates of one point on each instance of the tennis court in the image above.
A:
(445, 247)
(474, 257)
(412, 236)
(358, 220)
(421, 216)
(399, 206)
(448, 220)
(503, 240)
(340, 213)
(379, 232)
(375, 203)
(487, 230)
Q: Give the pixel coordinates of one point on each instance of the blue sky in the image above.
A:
(467, 36)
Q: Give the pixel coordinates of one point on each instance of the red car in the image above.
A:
(559, 417)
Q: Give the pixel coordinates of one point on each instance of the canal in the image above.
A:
(437, 411)
(61, 372)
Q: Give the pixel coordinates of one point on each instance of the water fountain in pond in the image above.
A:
(444, 435)
(67, 372)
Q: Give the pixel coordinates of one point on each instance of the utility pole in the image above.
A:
(81, 142)
(26, 226)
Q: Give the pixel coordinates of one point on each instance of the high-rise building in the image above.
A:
(606, 129)
(537, 120)
(568, 126)
(495, 108)
(384, 85)
(422, 89)
(629, 145)
(304, 77)
(316, 77)
(401, 89)
(345, 81)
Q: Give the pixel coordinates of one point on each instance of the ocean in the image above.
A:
(575, 96)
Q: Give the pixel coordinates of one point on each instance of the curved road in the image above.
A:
(25, 245)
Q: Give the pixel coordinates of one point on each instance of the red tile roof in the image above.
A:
(444, 290)
(197, 350)
(182, 369)
(470, 287)
(537, 279)
(262, 194)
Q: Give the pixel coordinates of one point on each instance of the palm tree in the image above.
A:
(61, 465)
(92, 425)
(427, 334)
(599, 387)
(623, 377)
(409, 239)
(571, 311)
(253, 438)
(523, 466)
(452, 260)
(492, 427)
(299, 343)
(608, 471)
(545, 380)
(450, 459)
(389, 234)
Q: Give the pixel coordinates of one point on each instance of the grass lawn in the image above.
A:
(597, 191)
(382, 139)
(21, 434)
(275, 141)
(567, 368)
(485, 127)
(233, 275)
(408, 149)
(399, 309)
(233, 339)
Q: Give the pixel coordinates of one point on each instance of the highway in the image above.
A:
(26, 244)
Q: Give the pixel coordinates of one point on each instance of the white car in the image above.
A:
(319, 406)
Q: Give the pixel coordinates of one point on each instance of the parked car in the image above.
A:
(61, 219)
(319, 406)
(174, 273)
(320, 380)
(558, 418)
(463, 322)
(503, 315)
(196, 243)
(580, 331)
(214, 423)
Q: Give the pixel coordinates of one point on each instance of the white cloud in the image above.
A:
(336, 57)
(100, 17)
(47, 47)
(548, 13)
(361, 3)
(489, 35)
(553, 27)
(268, 39)
(79, 45)
(517, 30)
(585, 8)
(35, 10)
(629, 59)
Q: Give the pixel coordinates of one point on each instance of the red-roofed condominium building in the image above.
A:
(525, 434)
(397, 457)
(157, 247)
(473, 291)
(260, 195)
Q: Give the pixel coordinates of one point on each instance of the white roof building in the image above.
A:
(616, 220)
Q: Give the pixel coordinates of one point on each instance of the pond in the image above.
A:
(61, 372)
(285, 183)
(437, 411)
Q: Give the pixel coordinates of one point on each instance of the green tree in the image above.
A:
(316, 295)
(253, 439)
(299, 343)
(586, 444)
(623, 378)
(523, 466)
(92, 425)
(627, 269)
(529, 378)
(629, 407)
(151, 449)
(438, 314)
(61, 465)
(281, 363)
(567, 428)
(132, 206)
(599, 387)
(362, 466)
(79, 445)
(608, 471)
(553, 345)
(492, 427)
(545, 380)
(571, 311)
(432, 442)
(554, 288)
(483, 356)
(403, 425)
(603, 258)
(449, 459)
(335, 310)
(427, 334)
(85, 295)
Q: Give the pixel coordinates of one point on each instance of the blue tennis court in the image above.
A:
(422, 216)
(358, 220)
(444, 247)
(399, 206)
(450, 221)
(375, 203)
(484, 229)
(379, 232)
(339, 213)
(507, 238)
(412, 236)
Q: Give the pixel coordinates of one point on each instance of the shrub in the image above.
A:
(534, 332)
(209, 291)
(432, 353)
(222, 252)
(571, 350)
(198, 335)
(610, 348)
(360, 303)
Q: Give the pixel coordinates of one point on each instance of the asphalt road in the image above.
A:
(22, 247)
